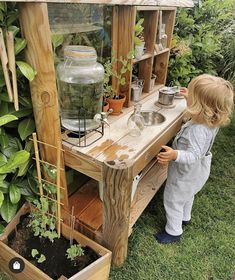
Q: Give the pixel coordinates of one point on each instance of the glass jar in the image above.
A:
(135, 122)
(80, 87)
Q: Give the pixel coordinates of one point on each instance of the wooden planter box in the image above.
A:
(98, 270)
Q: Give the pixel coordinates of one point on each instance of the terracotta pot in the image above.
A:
(105, 106)
(116, 104)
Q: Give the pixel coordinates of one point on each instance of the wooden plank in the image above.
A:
(92, 215)
(126, 24)
(146, 189)
(34, 17)
(160, 67)
(145, 56)
(175, 3)
(117, 202)
(82, 163)
(168, 18)
(81, 199)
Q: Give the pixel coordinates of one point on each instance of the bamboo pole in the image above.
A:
(37, 163)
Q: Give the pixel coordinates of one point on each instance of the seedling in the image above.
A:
(74, 251)
(35, 253)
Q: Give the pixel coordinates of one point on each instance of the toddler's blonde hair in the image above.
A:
(211, 100)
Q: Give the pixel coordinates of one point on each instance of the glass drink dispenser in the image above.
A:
(80, 87)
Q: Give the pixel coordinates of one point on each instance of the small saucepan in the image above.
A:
(166, 95)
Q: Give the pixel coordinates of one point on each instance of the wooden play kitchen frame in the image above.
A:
(108, 163)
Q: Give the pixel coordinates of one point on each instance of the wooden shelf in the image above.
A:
(88, 208)
(161, 52)
(144, 57)
(152, 8)
(147, 188)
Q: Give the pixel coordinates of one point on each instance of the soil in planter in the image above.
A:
(23, 241)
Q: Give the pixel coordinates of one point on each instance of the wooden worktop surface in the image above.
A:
(118, 146)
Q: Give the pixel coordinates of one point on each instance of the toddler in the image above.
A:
(210, 105)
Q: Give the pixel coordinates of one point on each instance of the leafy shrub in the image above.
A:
(208, 32)
(15, 126)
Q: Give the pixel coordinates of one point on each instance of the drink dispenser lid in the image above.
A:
(80, 52)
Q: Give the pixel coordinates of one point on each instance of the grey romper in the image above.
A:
(188, 173)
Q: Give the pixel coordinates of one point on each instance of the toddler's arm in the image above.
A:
(167, 155)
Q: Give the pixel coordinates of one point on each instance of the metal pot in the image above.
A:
(166, 96)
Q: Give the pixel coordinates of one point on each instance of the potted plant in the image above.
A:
(112, 94)
(139, 39)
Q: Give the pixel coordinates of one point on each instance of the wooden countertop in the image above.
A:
(118, 147)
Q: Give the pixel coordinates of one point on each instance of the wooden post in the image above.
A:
(118, 179)
(123, 41)
(36, 30)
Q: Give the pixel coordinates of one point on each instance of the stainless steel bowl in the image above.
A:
(166, 96)
(152, 117)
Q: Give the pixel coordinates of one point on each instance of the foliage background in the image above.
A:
(15, 182)
(204, 42)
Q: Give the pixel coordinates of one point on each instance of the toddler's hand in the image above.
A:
(167, 155)
(184, 92)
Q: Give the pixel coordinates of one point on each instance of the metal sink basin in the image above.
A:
(152, 117)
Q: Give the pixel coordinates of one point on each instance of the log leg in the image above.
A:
(117, 202)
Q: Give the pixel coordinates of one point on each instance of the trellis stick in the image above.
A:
(58, 188)
(72, 222)
(35, 143)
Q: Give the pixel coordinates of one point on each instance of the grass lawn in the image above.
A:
(207, 249)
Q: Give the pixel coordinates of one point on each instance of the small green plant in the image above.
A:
(35, 253)
(74, 251)
(43, 224)
(110, 72)
(139, 34)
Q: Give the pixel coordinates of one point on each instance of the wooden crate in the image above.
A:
(98, 270)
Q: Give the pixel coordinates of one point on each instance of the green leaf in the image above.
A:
(1, 198)
(20, 44)
(14, 193)
(4, 140)
(4, 109)
(1, 228)
(34, 252)
(41, 259)
(14, 29)
(57, 40)
(7, 118)
(15, 161)
(3, 159)
(26, 70)
(26, 128)
(8, 210)
(4, 187)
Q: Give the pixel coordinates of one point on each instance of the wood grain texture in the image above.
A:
(172, 3)
(125, 43)
(39, 54)
(116, 209)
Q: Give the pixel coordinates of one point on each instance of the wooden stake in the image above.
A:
(12, 66)
(58, 188)
(35, 143)
(72, 222)
(4, 59)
